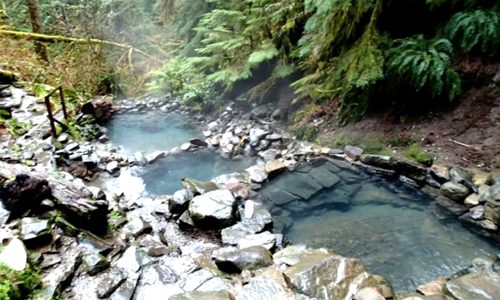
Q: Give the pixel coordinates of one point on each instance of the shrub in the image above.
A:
(415, 153)
(15, 285)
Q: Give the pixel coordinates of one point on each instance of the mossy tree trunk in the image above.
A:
(36, 24)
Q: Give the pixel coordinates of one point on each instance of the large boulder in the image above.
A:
(252, 258)
(35, 232)
(198, 187)
(216, 209)
(260, 112)
(328, 276)
(23, 193)
(410, 170)
(14, 255)
(484, 285)
(454, 191)
(353, 152)
(267, 286)
(257, 174)
(179, 201)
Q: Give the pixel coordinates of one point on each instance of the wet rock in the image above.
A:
(353, 152)
(198, 142)
(265, 239)
(269, 155)
(298, 184)
(411, 170)
(482, 178)
(472, 200)
(324, 177)
(492, 212)
(257, 174)
(213, 126)
(150, 158)
(491, 195)
(432, 182)
(14, 255)
(335, 152)
(477, 212)
(385, 162)
(482, 285)
(214, 209)
(277, 196)
(126, 290)
(196, 279)
(450, 207)
(136, 227)
(251, 258)
(186, 146)
(58, 278)
(35, 231)
(240, 190)
(269, 285)
(255, 219)
(433, 288)
(440, 173)
(197, 295)
(454, 191)
(277, 114)
(112, 167)
(249, 151)
(198, 187)
(109, 282)
(180, 201)
(95, 263)
(463, 177)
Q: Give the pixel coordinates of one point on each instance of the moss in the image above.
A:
(343, 139)
(306, 133)
(66, 226)
(15, 285)
(415, 153)
(374, 145)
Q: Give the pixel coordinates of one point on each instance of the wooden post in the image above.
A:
(63, 103)
(51, 117)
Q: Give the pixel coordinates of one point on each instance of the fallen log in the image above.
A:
(58, 38)
(24, 188)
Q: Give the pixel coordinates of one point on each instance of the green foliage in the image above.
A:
(424, 65)
(14, 127)
(306, 132)
(16, 285)
(415, 153)
(478, 29)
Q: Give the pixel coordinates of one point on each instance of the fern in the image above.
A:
(424, 65)
(478, 29)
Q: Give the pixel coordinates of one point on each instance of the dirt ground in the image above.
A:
(474, 122)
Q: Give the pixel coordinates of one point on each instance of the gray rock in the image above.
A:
(112, 167)
(139, 158)
(257, 134)
(133, 259)
(298, 184)
(274, 137)
(198, 142)
(56, 278)
(385, 162)
(260, 112)
(353, 151)
(335, 152)
(137, 227)
(126, 290)
(34, 230)
(270, 155)
(185, 220)
(410, 170)
(150, 158)
(463, 177)
(277, 196)
(277, 114)
(492, 212)
(213, 126)
(491, 195)
(251, 258)
(63, 138)
(484, 285)
(109, 282)
(214, 209)
(432, 182)
(263, 145)
(215, 284)
(249, 151)
(233, 234)
(267, 286)
(95, 263)
(454, 191)
(196, 279)
(4, 214)
(180, 201)
(324, 177)
(257, 174)
(450, 207)
(103, 139)
(186, 146)
(197, 295)
(198, 187)
(14, 255)
(265, 239)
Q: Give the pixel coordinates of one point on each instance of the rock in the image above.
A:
(324, 177)
(368, 294)
(153, 246)
(240, 190)
(126, 290)
(186, 146)
(385, 162)
(484, 285)
(269, 155)
(432, 182)
(35, 231)
(198, 142)
(492, 212)
(265, 239)
(63, 138)
(112, 167)
(139, 158)
(277, 196)
(277, 114)
(103, 139)
(328, 276)
(477, 212)
(411, 170)
(109, 282)
(454, 191)
(214, 142)
(197, 295)
(180, 201)
(268, 286)
(14, 255)
(335, 152)
(185, 220)
(257, 174)
(263, 145)
(450, 207)
(472, 200)
(198, 187)
(274, 137)
(482, 178)
(433, 288)
(275, 168)
(60, 276)
(251, 258)
(4, 214)
(214, 209)
(133, 259)
(353, 152)
(136, 227)
(150, 158)
(259, 112)
(298, 184)
(95, 263)
(249, 151)
(233, 234)
(215, 284)
(207, 133)
(463, 177)
(440, 173)
(491, 195)
(259, 219)
(213, 126)
(196, 279)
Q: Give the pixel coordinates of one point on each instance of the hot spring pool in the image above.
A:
(150, 131)
(395, 230)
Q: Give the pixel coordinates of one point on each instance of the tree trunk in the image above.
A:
(36, 24)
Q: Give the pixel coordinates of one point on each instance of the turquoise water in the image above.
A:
(395, 230)
(150, 131)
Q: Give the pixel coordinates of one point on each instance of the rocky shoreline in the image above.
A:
(211, 240)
